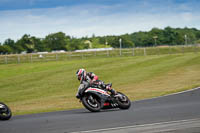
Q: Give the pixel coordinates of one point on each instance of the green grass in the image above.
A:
(51, 86)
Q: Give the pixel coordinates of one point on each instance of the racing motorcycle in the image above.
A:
(95, 99)
(5, 112)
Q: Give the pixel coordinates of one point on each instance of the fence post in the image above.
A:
(31, 58)
(107, 53)
(158, 51)
(69, 56)
(6, 60)
(183, 49)
(133, 52)
(18, 59)
(144, 51)
(195, 48)
(56, 56)
(170, 50)
(82, 56)
(120, 51)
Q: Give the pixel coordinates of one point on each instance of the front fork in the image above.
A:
(2, 108)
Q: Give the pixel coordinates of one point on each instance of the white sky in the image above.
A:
(99, 19)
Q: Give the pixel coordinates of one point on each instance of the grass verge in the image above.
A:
(51, 86)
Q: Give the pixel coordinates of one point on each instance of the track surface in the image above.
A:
(177, 108)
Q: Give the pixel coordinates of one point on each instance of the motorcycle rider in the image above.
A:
(88, 79)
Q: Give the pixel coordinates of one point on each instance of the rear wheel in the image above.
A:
(5, 112)
(91, 102)
(123, 101)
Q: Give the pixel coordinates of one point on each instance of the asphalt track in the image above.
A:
(177, 113)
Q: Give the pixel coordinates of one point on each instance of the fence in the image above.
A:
(30, 58)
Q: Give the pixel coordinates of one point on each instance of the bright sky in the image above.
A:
(80, 18)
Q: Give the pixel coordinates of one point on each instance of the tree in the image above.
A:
(170, 36)
(11, 43)
(39, 45)
(142, 39)
(59, 41)
(5, 49)
(2, 50)
(126, 41)
(26, 43)
(77, 44)
(56, 41)
(95, 41)
(198, 41)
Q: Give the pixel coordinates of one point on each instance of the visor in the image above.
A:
(79, 77)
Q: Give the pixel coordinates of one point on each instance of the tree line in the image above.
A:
(61, 41)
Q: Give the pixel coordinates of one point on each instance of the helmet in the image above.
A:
(81, 74)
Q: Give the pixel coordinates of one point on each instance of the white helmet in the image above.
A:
(81, 74)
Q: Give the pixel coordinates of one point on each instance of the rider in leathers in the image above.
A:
(88, 79)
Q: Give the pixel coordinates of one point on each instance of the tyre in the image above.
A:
(123, 101)
(91, 102)
(5, 112)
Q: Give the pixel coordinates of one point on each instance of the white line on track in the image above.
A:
(138, 126)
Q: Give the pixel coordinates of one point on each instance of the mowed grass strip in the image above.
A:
(51, 86)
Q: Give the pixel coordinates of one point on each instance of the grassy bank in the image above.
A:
(51, 86)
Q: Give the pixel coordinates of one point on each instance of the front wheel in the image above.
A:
(91, 103)
(123, 101)
(5, 112)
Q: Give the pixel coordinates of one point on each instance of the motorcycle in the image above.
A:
(5, 112)
(95, 99)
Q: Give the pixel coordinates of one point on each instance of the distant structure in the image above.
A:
(94, 49)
